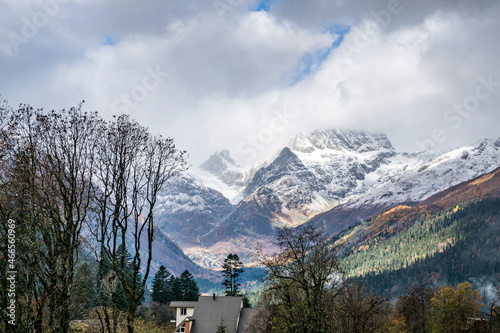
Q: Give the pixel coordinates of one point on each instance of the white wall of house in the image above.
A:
(180, 317)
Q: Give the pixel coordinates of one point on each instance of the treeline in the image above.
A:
(453, 246)
(307, 291)
(73, 184)
(167, 287)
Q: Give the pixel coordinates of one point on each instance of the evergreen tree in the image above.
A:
(188, 287)
(231, 270)
(246, 302)
(85, 292)
(174, 284)
(161, 290)
(221, 328)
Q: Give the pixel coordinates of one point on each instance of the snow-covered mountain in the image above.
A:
(410, 179)
(313, 174)
(222, 173)
(189, 209)
(222, 165)
(331, 178)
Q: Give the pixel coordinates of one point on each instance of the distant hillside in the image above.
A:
(459, 246)
(402, 217)
(452, 236)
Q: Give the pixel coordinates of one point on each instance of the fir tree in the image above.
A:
(174, 284)
(188, 287)
(232, 268)
(161, 290)
(116, 287)
(221, 328)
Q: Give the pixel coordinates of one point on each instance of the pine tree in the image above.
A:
(232, 268)
(161, 290)
(174, 284)
(221, 328)
(85, 292)
(189, 288)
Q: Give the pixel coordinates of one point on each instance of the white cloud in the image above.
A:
(230, 80)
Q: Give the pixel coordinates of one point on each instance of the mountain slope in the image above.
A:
(188, 210)
(449, 247)
(418, 182)
(402, 217)
(439, 236)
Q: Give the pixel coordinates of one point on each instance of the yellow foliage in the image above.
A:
(396, 324)
(455, 310)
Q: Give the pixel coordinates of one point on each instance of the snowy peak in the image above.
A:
(285, 164)
(286, 158)
(341, 141)
(219, 162)
(225, 169)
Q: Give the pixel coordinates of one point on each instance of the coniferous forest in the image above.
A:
(450, 247)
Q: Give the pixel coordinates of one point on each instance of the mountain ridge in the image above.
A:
(401, 217)
(331, 179)
(450, 237)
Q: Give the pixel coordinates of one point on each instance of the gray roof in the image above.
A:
(208, 314)
(183, 304)
(245, 318)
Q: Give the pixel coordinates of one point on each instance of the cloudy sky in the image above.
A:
(248, 75)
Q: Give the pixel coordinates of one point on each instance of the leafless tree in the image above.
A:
(304, 280)
(67, 144)
(49, 177)
(414, 306)
(63, 171)
(359, 311)
(134, 166)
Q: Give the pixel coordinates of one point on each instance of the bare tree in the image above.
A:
(50, 177)
(66, 170)
(7, 209)
(359, 311)
(68, 142)
(134, 167)
(304, 280)
(414, 306)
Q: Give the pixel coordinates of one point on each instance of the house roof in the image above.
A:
(183, 304)
(245, 318)
(209, 311)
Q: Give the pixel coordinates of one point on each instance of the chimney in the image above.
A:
(214, 296)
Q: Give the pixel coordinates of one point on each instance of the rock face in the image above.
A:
(329, 178)
(189, 210)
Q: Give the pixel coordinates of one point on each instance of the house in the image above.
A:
(205, 315)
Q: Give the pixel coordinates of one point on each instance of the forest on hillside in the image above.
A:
(455, 245)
